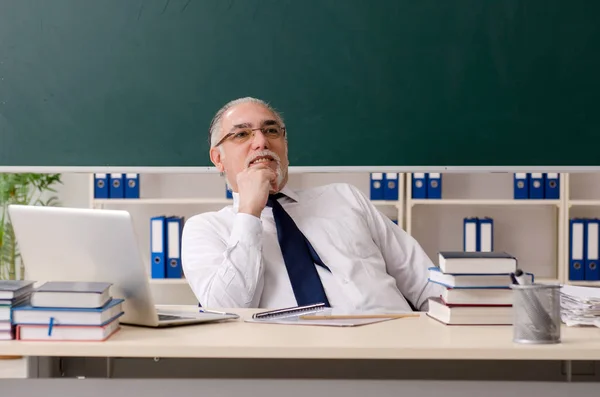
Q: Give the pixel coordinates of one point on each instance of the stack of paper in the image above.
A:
(580, 305)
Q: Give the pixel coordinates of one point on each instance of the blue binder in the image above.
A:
(174, 229)
(486, 234)
(552, 188)
(132, 186)
(116, 186)
(434, 185)
(471, 235)
(158, 243)
(101, 186)
(419, 185)
(377, 186)
(390, 189)
(577, 249)
(591, 270)
(536, 186)
(521, 186)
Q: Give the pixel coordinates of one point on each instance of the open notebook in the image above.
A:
(294, 316)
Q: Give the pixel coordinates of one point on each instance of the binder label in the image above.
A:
(173, 233)
(157, 235)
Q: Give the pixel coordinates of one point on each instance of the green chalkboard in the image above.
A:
(360, 82)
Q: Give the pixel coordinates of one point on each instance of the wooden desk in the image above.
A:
(378, 359)
(408, 338)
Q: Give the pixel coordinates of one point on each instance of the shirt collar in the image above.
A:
(286, 190)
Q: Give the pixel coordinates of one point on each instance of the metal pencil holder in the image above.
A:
(536, 313)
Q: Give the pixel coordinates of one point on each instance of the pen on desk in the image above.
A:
(355, 316)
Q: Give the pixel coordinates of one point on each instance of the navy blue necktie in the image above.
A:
(299, 256)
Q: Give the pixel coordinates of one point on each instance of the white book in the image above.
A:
(67, 332)
(460, 262)
(71, 294)
(480, 296)
(469, 315)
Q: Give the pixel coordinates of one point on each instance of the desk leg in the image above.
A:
(109, 367)
(568, 370)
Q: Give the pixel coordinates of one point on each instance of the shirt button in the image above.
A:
(346, 281)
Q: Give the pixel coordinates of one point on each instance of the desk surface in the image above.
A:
(407, 338)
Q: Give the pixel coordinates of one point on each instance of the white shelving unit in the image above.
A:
(438, 223)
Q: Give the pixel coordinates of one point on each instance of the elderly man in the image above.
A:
(276, 247)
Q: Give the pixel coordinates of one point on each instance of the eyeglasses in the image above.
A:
(240, 136)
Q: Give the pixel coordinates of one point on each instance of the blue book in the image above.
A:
(27, 314)
(71, 294)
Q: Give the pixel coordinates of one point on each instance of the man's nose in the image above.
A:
(259, 141)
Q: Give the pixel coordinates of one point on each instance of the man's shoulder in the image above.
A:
(209, 219)
(336, 190)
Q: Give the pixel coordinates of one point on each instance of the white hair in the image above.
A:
(215, 125)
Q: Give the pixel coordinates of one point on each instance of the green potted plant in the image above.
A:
(24, 189)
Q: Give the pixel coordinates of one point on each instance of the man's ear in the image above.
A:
(216, 158)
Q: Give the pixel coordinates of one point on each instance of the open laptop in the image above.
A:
(76, 244)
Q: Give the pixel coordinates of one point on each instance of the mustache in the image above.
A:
(263, 153)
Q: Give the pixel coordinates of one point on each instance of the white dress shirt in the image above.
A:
(233, 259)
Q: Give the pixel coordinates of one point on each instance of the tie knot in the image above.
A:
(274, 197)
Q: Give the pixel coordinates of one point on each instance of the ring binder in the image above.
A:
(288, 310)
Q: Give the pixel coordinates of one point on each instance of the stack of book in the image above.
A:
(12, 293)
(476, 288)
(68, 311)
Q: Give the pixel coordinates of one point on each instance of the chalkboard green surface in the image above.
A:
(359, 82)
